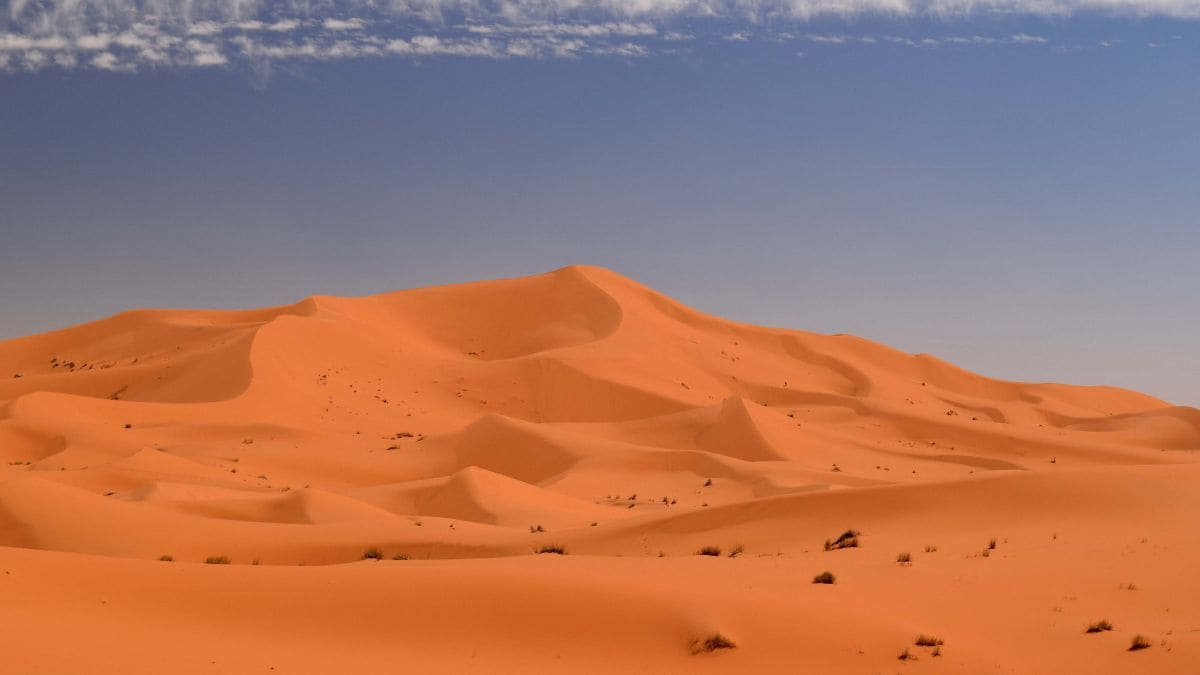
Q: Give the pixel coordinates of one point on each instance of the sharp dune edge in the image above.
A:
(466, 427)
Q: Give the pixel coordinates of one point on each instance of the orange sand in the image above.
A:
(446, 423)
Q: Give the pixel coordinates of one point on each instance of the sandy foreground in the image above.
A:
(454, 432)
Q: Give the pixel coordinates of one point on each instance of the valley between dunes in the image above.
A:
(453, 432)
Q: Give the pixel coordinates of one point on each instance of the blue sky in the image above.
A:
(1010, 185)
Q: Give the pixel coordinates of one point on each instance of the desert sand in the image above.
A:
(449, 434)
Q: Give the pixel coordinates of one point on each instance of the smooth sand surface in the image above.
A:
(467, 427)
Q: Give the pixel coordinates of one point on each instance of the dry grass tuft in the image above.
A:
(712, 643)
(1139, 642)
(847, 539)
(825, 577)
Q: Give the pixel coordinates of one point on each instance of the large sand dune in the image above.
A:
(466, 427)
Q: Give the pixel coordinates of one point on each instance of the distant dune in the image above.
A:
(454, 432)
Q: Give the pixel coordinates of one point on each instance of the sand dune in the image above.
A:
(464, 428)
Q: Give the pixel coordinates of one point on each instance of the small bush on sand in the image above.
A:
(737, 550)
(930, 548)
(709, 550)
(928, 641)
(1139, 642)
(536, 528)
(824, 578)
(1099, 627)
(992, 544)
(553, 548)
(712, 643)
(166, 558)
(399, 556)
(373, 554)
(216, 560)
(906, 655)
(847, 539)
(903, 558)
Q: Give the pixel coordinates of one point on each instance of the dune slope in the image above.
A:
(457, 431)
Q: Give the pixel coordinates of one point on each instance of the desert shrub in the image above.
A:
(1139, 642)
(1099, 627)
(929, 548)
(712, 643)
(373, 554)
(709, 550)
(217, 560)
(847, 539)
(928, 641)
(553, 548)
(737, 550)
(166, 558)
(399, 556)
(992, 544)
(903, 558)
(824, 578)
(536, 528)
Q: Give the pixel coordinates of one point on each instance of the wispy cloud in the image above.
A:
(343, 24)
(827, 39)
(928, 41)
(609, 29)
(130, 35)
(216, 44)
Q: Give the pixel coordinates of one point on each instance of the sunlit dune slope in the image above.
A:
(580, 410)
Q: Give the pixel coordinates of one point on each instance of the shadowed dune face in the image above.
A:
(582, 411)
